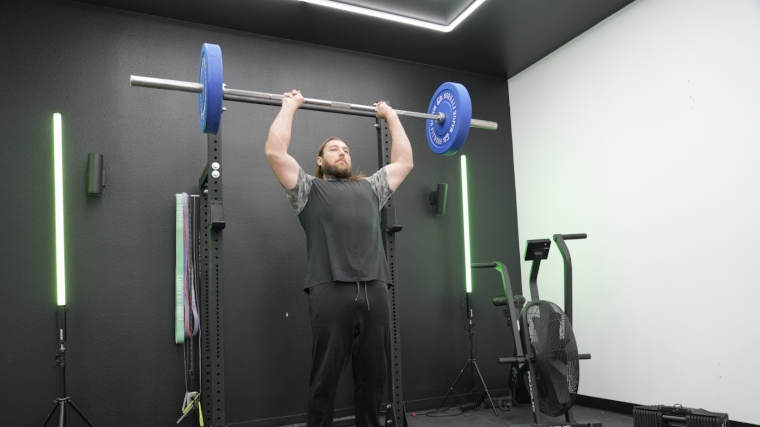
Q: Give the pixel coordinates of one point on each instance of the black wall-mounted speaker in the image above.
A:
(96, 174)
(438, 198)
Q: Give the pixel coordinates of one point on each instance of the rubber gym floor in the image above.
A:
(484, 417)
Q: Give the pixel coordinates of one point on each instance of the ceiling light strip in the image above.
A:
(399, 18)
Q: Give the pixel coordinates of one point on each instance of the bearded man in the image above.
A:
(347, 277)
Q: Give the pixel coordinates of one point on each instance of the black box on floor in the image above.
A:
(660, 415)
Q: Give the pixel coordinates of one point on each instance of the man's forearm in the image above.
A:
(280, 132)
(401, 148)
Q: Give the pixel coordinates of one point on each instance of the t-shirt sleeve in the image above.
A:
(379, 183)
(299, 194)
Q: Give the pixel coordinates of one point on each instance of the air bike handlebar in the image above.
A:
(522, 359)
(565, 252)
(571, 236)
(519, 301)
(508, 296)
(483, 264)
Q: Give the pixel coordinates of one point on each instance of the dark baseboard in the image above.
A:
(626, 408)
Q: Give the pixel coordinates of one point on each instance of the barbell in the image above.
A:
(449, 116)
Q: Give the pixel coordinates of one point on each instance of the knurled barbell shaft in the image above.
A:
(267, 98)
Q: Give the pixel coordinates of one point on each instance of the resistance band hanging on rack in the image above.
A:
(179, 272)
(187, 319)
(192, 320)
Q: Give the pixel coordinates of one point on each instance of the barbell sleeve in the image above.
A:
(264, 98)
(483, 124)
(155, 83)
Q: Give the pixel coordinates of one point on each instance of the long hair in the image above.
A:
(318, 171)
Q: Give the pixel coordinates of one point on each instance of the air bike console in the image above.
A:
(546, 354)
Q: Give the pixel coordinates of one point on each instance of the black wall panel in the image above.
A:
(123, 367)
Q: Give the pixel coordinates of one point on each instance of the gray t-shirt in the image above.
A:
(342, 224)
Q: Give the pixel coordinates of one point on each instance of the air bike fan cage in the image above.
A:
(553, 351)
(546, 353)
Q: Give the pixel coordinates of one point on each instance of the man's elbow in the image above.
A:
(404, 164)
(273, 154)
(408, 166)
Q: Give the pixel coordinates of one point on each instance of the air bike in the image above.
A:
(546, 354)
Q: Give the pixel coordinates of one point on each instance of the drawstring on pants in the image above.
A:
(366, 296)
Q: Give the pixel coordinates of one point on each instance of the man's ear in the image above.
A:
(319, 161)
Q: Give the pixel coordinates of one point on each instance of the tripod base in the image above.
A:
(60, 406)
(480, 399)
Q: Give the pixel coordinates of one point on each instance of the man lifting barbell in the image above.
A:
(347, 276)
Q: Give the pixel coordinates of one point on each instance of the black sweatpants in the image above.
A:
(348, 319)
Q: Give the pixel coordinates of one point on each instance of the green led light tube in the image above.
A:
(466, 220)
(60, 261)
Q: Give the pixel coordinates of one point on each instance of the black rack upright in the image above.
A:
(388, 223)
(212, 275)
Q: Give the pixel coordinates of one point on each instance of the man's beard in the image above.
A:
(335, 171)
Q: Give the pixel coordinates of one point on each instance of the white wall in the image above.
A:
(644, 132)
